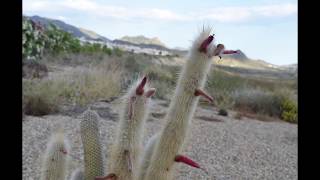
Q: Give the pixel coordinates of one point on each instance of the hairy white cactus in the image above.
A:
(145, 160)
(182, 107)
(128, 145)
(128, 159)
(56, 158)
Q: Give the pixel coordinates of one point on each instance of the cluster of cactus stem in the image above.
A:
(129, 160)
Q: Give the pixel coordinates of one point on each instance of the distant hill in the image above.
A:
(151, 46)
(142, 44)
(243, 61)
(77, 32)
(143, 40)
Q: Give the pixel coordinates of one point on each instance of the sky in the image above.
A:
(262, 29)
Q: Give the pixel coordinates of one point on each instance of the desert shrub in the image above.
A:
(91, 49)
(78, 86)
(86, 85)
(117, 51)
(257, 101)
(221, 81)
(38, 40)
(223, 112)
(32, 40)
(107, 50)
(58, 41)
(289, 111)
(222, 99)
(39, 98)
(159, 73)
(34, 69)
(132, 64)
(221, 85)
(163, 79)
(164, 90)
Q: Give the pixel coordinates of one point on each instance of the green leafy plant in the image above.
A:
(58, 41)
(32, 39)
(289, 111)
(117, 51)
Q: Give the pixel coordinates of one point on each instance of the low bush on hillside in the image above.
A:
(38, 40)
(289, 111)
(257, 101)
(39, 98)
(79, 87)
(98, 75)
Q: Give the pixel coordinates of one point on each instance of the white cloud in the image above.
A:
(62, 18)
(277, 10)
(228, 14)
(240, 13)
(101, 10)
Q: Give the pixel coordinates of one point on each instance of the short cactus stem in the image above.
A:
(128, 146)
(90, 136)
(56, 158)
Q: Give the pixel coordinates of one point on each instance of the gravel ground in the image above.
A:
(227, 148)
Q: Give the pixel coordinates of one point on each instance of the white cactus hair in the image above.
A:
(181, 109)
(130, 130)
(77, 174)
(147, 154)
(56, 157)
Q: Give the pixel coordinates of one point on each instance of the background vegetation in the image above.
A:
(60, 70)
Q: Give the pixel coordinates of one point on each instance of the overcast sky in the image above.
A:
(263, 29)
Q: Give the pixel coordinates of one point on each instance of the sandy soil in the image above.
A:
(228, 148)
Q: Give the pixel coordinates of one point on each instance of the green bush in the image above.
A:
(289, 111)
(223, 112)
(37, 40)
(32, 40)
(163, 79)
(257, 101)
(39, 98)
(106, 50)
(58, 41)
(78, 86)
(160, 74)
(117, 51)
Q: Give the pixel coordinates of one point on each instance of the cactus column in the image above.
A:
(128, 145)
(182, 107)
(93, 159)
(147, 154)
(55, 160)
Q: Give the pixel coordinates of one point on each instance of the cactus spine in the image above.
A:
(182, 107)
(77, 175)
(55, 158)
(128, 145)
(90, 136)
